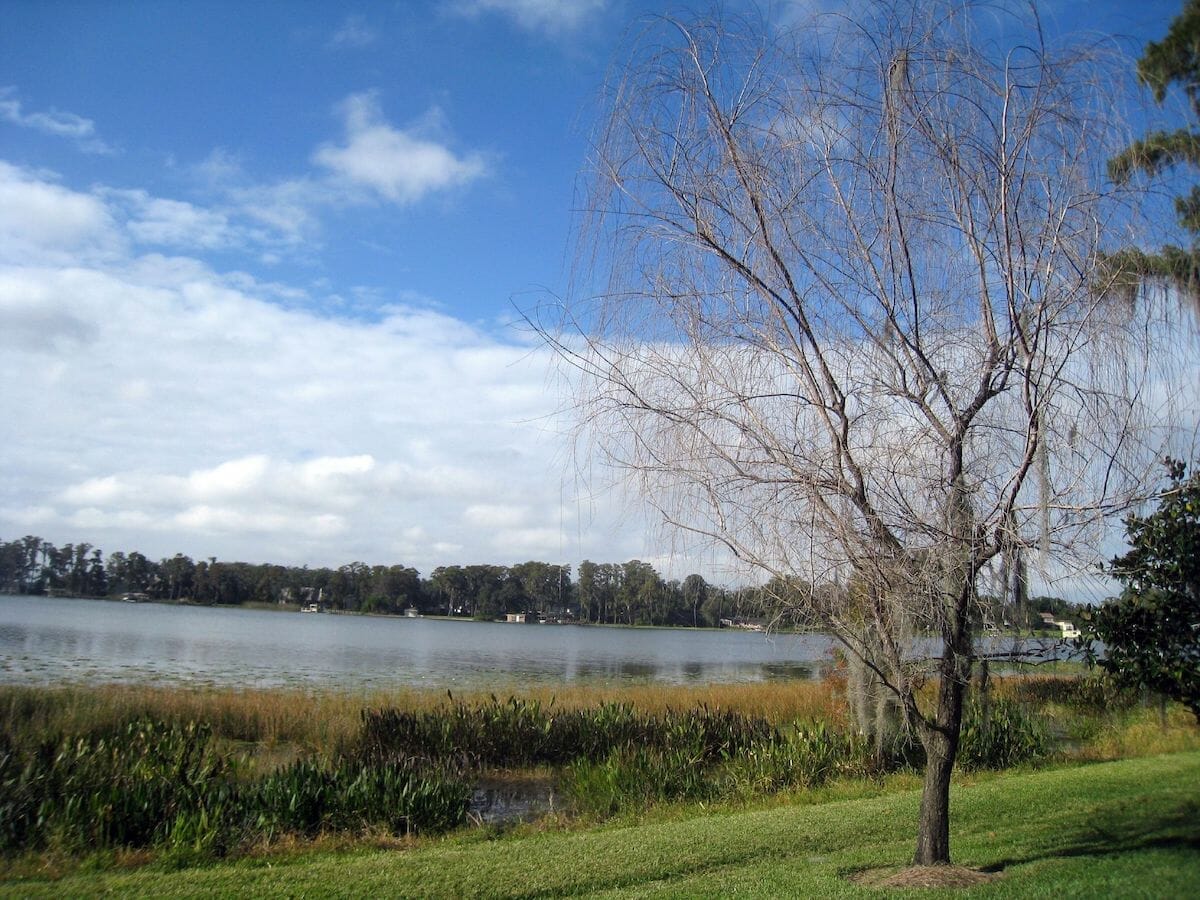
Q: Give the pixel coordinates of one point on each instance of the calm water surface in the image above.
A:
(50, 640)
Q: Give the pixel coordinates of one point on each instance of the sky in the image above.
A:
(262, 267)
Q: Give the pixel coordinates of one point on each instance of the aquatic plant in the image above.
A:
(517, 732)
(119, 789)
(154, 784)
(400, 796)
(998, 733)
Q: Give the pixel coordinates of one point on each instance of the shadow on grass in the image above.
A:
(1173, 829)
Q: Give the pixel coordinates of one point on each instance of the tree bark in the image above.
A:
(933, 832)
(940, 740)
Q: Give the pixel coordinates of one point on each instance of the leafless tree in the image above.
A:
(848, 325)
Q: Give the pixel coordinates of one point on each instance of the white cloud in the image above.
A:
(354, 33)
(375, 160)
(53, 122)
(486, 515)
(287, 209)
(221, 165)
(400, 165)
(156, 404)
(552, 16)
(43, 220)
(174, 223)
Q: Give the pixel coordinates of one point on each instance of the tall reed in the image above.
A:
(326, 722)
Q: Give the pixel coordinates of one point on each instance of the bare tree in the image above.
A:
(848, 326)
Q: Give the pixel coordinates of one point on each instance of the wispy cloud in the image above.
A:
(353, 34)
(175, 223)
(53, 122)
(397, 164)
(230, 210)
(547, 16)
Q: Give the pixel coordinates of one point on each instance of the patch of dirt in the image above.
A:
(923, 877)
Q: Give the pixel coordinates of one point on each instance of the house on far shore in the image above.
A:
(744, 624)
(1069, 630)
(520, 618)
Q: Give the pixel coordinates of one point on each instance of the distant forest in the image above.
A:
(630, 593)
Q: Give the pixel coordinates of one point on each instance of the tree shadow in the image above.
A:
(1175, 829)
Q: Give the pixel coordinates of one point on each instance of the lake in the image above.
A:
(55, 640)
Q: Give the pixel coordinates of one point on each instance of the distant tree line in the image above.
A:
(630, 593)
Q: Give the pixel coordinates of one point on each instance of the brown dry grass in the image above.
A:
(283, 721)
(779, 702)
(315, 721)
(276, 726)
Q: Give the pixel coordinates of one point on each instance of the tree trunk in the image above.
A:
(933, 832)
(940, 740)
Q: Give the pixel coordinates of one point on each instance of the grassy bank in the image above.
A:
(108, 776)
(1128, 828)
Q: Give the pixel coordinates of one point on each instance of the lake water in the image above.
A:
(54, 640)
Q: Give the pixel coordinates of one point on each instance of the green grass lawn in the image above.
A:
(1123, 829)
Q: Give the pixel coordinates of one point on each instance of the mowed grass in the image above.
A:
(1128, 828)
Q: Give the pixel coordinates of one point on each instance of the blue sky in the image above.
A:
(258, 264)
(255, 108)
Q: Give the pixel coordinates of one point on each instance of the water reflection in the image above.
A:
(54, 639)
(789, 671)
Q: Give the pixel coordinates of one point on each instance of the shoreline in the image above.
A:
(1008, 634)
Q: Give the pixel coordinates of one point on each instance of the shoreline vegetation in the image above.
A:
(632, 593)
(243, 777)
(1060, 832)
(1054, 634)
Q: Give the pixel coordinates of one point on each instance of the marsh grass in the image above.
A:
(1118, 829)
(317, 722)
(302, 768)
(328, 722)
(151, 784)
(286, 765)
(521, 732)
(1141, 731)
